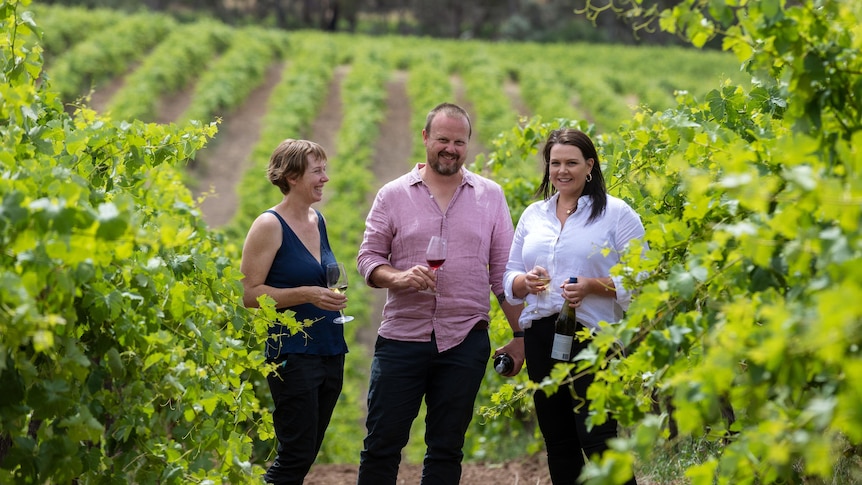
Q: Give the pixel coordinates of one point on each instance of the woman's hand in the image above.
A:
(575, 293)
(326, 299)
(533, 280)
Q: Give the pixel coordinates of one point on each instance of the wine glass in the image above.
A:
(542, 268)
(435, 255)
(336, 280)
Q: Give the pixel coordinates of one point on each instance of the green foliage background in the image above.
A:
(124, 352)
(747, 294)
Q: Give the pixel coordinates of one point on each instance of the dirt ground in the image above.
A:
(218, 169)
(530, 471)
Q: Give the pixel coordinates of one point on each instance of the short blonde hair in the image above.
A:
(290, 160)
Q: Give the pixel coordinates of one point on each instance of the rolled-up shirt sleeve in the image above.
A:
(501, 242)
(376, 243)
(515, 265)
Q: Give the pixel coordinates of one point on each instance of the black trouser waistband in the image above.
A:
(552, 319)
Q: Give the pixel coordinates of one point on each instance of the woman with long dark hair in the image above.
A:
(579, 230)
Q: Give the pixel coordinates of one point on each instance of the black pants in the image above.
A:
(402, 373)
(305, 391)
(563, 415)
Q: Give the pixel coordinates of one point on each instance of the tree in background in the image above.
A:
(519, 20)
(326, 15)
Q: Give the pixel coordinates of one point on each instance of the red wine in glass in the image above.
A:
(435, 255)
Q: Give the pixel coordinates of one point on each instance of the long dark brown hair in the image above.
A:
(595, 188)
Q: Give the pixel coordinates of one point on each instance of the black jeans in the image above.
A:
(562, 417)
(401, 374)
(305, 391)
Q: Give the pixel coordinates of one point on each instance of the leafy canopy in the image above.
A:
(747, 325)
(123, 352)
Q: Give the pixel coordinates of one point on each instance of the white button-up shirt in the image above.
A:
(577, 248)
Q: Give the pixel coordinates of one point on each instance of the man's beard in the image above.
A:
(447, 169)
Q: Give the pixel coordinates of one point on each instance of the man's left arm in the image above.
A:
(501, 243)
(515, 347)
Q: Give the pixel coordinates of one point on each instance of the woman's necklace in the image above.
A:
(573, 209)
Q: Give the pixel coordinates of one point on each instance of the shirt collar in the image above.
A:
(467, 177)
(584, 201)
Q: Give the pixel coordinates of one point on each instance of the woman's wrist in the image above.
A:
(519, 286)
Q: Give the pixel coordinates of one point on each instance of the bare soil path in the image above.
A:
(529, 471)
(391, 159)
(220, 166)
(513, 90)
(102, 94)
(325, 127)
(476, 147)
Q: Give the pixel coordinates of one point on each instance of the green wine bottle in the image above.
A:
(564, 331)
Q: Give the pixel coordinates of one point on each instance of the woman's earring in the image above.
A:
(589, 177)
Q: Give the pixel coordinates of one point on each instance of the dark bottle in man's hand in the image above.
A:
(503, 364)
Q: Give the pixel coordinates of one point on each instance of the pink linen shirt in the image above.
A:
(479, 231)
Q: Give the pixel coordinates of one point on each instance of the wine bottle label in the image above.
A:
(562, 348)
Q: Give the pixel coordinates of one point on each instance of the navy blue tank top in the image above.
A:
(292, 267)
